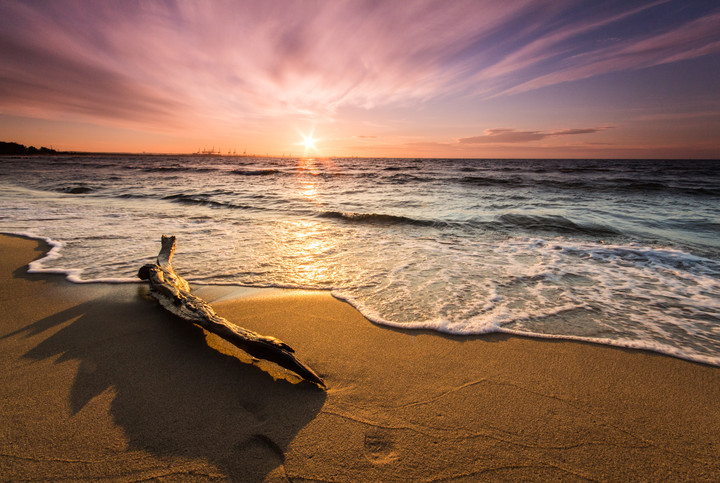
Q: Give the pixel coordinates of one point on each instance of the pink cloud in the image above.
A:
(239, 63)
(511, 136)
(229, 59)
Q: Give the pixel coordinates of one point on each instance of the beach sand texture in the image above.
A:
(99, 382)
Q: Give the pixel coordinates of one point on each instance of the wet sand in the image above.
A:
(99, 382)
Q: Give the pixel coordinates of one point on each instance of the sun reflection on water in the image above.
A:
(307, 249)
(308, 186)
(304, 246)
(308, 190)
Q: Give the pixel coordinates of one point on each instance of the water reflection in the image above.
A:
(304, 248)
(308, 186)
(308, 190)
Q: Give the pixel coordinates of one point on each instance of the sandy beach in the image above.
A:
(99, 382)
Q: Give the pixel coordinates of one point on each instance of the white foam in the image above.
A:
(630, 295)
(73, 275)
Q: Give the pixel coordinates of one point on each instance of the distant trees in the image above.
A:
(19, 149)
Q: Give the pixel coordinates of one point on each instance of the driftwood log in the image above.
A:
(173, 293)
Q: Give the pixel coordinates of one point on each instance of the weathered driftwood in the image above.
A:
(173, 293)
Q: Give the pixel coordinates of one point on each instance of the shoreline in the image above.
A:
(228, 291)
(101, 382)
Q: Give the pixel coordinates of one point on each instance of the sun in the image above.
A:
(308, 142)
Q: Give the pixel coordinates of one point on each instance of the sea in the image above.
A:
(617, 252)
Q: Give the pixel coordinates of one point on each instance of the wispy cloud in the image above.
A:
(686, 41)
(542, 45)
(511, 136)
(679, 116)
(236, 63)
(226, 59)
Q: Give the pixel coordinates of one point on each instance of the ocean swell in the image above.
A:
(378, 219)
(554, 224)
(203, 200)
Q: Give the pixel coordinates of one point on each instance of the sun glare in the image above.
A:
(308, 142)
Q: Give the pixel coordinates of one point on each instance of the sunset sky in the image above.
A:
(514, 78)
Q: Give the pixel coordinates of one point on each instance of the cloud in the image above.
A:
(230, 60)
(512, 136)
(542, 46)
(238, 63)
(689, 40)
(72, 85)
(679, 116)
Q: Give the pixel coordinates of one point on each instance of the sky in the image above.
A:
(392, 78)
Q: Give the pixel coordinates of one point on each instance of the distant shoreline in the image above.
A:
(17, 149)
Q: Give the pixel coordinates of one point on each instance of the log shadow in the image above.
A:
(174, 395)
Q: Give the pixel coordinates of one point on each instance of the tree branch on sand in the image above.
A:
(173, 293)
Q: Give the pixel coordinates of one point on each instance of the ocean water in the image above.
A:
(620, 252)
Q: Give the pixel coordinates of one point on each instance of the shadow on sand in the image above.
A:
(174, 395)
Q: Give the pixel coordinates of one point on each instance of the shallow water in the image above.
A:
(618, 252)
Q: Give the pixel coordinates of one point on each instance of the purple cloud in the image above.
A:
(236, 63)
(686, 41)
(507, 136)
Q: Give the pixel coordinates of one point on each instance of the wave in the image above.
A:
(701, 191)
(171, 169)
(255, 172)
(486, 181)
(52, 252)
(555, 224)
(589, 184)
(402, 178)
(202, 200)
(537, 223)
(638, 255)
(401, 168)
(378, 219)
(697, 225)
(579, 169)
(77, 190)
(632, 185)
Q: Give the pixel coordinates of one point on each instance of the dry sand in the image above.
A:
(98, 382)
